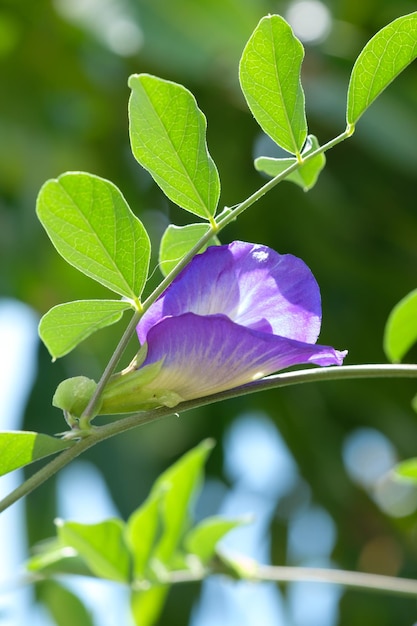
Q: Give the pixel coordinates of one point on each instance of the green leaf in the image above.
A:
(141, 533)
(64, 326)
(20, 448)
(168, 138)
(101, 545)
(177, 241)
(65, 607)
(305, 176)
(270, 80)
(51, 558)
(203, 538)
(92, 227)
(178, 485)
(407, 470)
(146, 606)
(401, 328)
(385, 56)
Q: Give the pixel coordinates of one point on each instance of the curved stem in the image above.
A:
(346, 372)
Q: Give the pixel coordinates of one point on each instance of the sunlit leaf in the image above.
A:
(178, 483)
(401, 328)
(92, 227)
(101, 545)
(141, 533)
(63, 605)
(146, 606)
(407, 469)
(168, 138)
(270, 79)
(385, 56)
(51, 558)
(203, 538)
(305, 176)
(19, 448)
(64, 326)
(177, 241)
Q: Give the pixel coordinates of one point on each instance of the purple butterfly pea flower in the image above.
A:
(235, 314)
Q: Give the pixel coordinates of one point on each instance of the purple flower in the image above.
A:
(236, 313)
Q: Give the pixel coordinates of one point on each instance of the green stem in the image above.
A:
(346, 372)
(273, 573)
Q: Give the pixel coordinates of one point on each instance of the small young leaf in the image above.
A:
(92, 227)
(65, 607)
(305, 176)
(20, 448)
(146, 606)
(177, 241)
(64, 326)
(101, 545)
(401, 328)
(203, 538)
(385, 56)
(269, 75)
(168, 138)
(178, 484)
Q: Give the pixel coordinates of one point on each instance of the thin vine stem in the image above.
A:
(100, 433)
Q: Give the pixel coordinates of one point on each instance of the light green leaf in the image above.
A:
(66, 325)
(203, 538)
(101, 545)
(305, 176)
(178, 485)
(270, 80)
(92, 227)
(177, 241)
(141, 533)
(168, 138)
(64, 606)
(385, 56)
(401, 328)
(146, 606)
(51, 558)
(407, 470)
(20, 448)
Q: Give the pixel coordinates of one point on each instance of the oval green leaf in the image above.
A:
(92, 227)
(20, 448)
(168, 138)
(401, 328)
(177, 241)
(269, 75)
(203, 538)
(101, 545)
(385, 56)
(306, 175)
(66, 325)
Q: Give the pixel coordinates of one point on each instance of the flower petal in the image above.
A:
(207, 354)
(251, 284)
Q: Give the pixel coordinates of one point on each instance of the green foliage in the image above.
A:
(385, 56)
(20, 448)
(64, 326)
(270, 79)
(168, 138)
(407, 470)
(63, 605)
(304, 176)
(204, 537)
(177, 241)
(143, 551)
(101, 546)
(92, 227)
(401, 328)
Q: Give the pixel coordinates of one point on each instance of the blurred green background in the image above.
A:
(64, 66)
